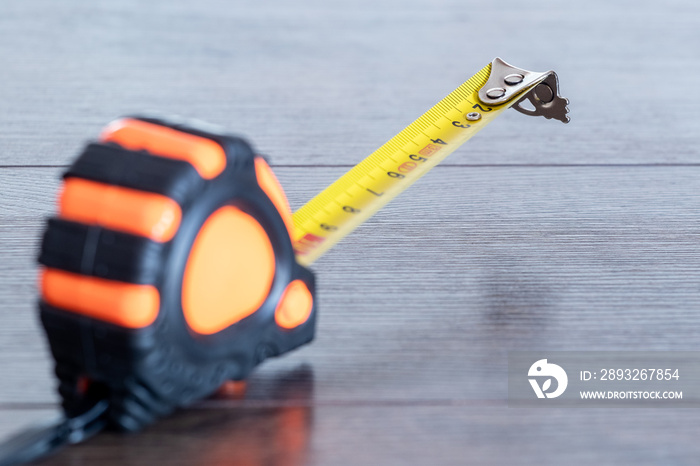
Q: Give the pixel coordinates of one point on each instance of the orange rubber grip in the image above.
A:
(205, 155)
(272, 187)
(122, 209)
(229, 271)
(295, 306)
(124, 304)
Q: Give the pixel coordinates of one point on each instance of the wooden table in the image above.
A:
(534, 236)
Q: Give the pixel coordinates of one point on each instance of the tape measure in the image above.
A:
(168, 269)
(366, 188)
(174, 263)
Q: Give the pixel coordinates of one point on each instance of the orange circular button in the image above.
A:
(295, 306)
(229, 272)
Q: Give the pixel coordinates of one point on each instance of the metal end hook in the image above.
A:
(506, 82)
(546, 101)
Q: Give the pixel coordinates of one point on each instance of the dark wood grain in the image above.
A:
(328, 82)
(296, 435)
(424, 300)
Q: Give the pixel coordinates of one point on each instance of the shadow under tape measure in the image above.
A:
(272, 425)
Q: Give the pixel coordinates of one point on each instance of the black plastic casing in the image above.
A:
(148, 372)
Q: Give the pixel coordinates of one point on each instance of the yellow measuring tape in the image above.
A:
(360, 193)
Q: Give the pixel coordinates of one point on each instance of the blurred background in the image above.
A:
(327, 82)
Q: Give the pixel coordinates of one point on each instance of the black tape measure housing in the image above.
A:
(147, 372)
